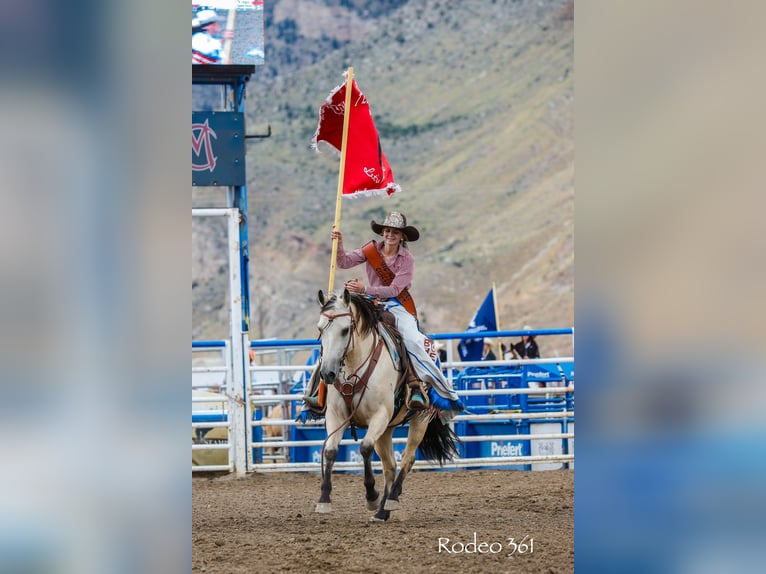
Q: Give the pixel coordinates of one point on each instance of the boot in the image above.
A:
(417, 400)
(312, 402)
(315, 398)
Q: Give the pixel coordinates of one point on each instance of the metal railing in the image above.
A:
(479, 429)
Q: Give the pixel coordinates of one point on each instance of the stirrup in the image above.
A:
(417, 402)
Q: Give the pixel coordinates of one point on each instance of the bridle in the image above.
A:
(349, 344)
(353, 383)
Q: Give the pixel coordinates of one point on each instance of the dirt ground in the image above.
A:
(266, 523)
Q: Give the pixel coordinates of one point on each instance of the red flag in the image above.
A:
(367, 171)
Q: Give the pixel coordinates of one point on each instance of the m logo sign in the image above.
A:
(218, 149)
(203, 157)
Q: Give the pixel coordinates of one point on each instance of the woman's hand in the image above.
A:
(354, 286)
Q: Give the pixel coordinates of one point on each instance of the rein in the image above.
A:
(347, 389)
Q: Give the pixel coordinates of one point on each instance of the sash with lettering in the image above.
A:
(386, 276)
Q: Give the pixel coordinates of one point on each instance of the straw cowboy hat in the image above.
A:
(396, 220)
(204, 18)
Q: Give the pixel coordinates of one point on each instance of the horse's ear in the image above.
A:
(346, 296)
(320, 296)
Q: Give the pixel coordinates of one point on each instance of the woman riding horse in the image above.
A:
(390, 268)
(362, 377)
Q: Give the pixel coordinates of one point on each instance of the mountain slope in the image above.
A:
(474, 110)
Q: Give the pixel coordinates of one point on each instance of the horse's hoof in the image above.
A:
(373, 504)
(391, 505)
(324, 507)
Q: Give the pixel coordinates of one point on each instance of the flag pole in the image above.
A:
(226, 57)
(339, 197)
(497, 317)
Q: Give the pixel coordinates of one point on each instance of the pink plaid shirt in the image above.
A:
(403, 267)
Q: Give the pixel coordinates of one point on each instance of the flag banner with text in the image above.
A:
(366, 171)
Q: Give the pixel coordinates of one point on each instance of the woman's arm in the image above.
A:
(346, 260)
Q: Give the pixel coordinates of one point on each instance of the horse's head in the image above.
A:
(336, 326)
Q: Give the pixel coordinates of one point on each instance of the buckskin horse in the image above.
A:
(364, 383)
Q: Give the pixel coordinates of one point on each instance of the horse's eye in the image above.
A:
(344, 332)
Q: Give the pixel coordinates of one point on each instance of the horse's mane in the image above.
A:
(367, 312)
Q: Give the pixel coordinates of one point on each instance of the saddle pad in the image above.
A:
(391, 344)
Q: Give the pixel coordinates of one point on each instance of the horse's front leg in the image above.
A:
(330, 453)
(418, 426)
(375, 428)
(371, 495)
(385, 449)
(325, 505)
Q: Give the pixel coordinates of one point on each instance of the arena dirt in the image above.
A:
(266, 523)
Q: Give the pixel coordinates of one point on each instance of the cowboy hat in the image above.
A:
(204, 18)
(396, 220)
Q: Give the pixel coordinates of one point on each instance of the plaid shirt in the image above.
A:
(403, 267)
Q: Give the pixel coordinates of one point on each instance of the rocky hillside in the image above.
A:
(474, 106)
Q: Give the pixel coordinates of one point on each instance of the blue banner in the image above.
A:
(483, 320)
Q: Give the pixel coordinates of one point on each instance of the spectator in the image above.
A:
(442, 351)
(487, 354)
(207, 44)
(526, 348)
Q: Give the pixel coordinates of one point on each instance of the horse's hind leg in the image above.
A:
(418, 426)
(385, 449)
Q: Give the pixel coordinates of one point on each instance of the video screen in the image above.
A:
(227, 32)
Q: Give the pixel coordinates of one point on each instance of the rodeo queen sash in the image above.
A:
(386, 276)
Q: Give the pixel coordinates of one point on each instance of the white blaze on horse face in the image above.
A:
(322, 324)
(335, 334)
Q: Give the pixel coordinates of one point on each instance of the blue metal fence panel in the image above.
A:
(480, 378)
(495, 448)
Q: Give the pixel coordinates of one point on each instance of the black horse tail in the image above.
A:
(439, 443)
